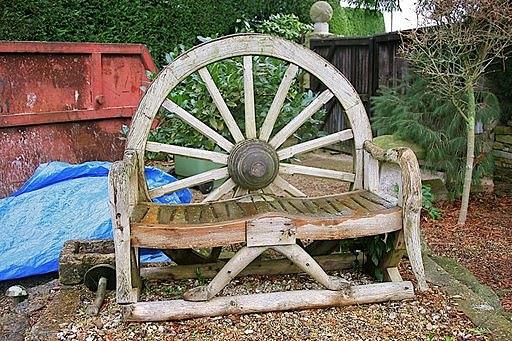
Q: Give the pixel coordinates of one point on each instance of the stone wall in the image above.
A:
(503, 154)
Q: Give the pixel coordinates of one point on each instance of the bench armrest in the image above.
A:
(411, 201)
(410, 169)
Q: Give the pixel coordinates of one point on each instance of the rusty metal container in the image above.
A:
(65, 102)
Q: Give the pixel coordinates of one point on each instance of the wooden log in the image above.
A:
(231, 232)
(260, 303)
(411, 202)
(280, 266)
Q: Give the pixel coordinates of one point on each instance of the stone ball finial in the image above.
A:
(320, 12)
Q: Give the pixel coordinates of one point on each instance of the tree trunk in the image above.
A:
(470, 156)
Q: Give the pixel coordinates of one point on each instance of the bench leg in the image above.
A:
(127, 269)
(390, 261)
(246, 255)
(127, 273)
(308, 264)
(233, 267)
(413, 246)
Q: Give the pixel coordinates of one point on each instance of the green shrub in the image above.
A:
(356, 22)
(287, 26)
(192, 95)
(159, 24)
(412, 112)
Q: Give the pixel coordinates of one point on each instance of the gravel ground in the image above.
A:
(432, 316)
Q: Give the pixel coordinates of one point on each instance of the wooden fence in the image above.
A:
(368, 63)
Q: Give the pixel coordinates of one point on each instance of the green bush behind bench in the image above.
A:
(160, 24)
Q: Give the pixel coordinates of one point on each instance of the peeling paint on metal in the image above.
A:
(49, 109)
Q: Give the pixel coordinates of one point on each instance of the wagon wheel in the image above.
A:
(254, 160)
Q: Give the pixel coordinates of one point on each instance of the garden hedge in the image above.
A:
(356, 22)
(160, 24)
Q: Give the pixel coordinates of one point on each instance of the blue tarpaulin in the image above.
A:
(61, 202)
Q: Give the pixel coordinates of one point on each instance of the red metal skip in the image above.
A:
(65, 102)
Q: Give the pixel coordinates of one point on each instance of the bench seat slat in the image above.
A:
(348, 215)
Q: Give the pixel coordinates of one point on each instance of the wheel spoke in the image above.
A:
(286, 168)
(191, 152)
(212, 175)
(308, 146)
(223, 189)
(221, 104)
(197, 125)
(302, 117)
(288, 187)
(250, 115)
(277, 103)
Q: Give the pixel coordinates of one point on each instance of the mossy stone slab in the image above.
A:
(391, 141)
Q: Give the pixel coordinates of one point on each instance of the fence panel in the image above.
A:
(368, 63)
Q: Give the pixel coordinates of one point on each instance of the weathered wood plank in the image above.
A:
(270, 231)
(138, 213)
(369, 205)
(206, 215)
(258, 303)
(231, 232)
(280, 266)
(122, 178)
(376, 199)
(165, 214)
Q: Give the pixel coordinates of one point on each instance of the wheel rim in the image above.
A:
(264, 172)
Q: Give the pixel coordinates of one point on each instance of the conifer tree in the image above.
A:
(413, 112)
(462, 38)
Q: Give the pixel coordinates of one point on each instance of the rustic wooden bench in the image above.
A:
(254, 216)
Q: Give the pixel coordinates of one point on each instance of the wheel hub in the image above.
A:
(253, 164)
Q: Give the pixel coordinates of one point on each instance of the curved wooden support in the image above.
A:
(308, 264)
(233, 267)
(411, 202)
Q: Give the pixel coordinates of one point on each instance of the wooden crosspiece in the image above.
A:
(246, 207)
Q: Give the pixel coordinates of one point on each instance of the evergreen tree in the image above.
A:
(411, 111)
